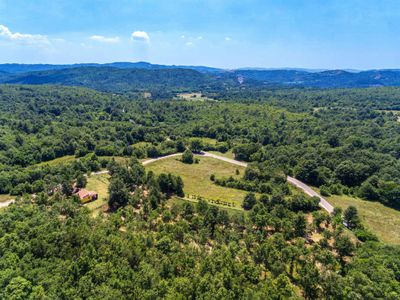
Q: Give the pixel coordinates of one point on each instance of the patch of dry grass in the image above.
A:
(381, 220)
(196, 177)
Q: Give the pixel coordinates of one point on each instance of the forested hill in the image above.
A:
(25, 68)
(122, 80)
(128, 77)
(325, 79)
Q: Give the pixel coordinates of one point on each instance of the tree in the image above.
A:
(249, 201)
(196, 145)
(344, 246)
(66, 188)
(81, 181)
(171, 184)
(18, 289)
(180, 146)
(119, 194)
(299, 225)
(318, 218)
(187, 157)
(351, 218)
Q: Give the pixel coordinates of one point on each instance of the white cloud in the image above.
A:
(199, 38)
(189, 44)
(182, 36)
(7, 34)
(103, 39)
(228, 39)
(140, 36)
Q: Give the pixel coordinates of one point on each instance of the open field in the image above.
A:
(381, 220)
(57, 161)
(98, 183)
(228, 154)
(193, 97)
(205, 140)
(196, 177)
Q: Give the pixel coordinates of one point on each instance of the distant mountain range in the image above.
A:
(24, 68)
(126, 76)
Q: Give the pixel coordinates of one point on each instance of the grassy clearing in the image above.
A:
(382, 220)
(228, 154)
(57, 161)
(71, 158)
(193, 97)
(141, 144)
(98, 183)
(196, 177)
(205, 140)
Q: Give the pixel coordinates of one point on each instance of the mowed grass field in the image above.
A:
(380, 219)
(196, 177)
(98, 183)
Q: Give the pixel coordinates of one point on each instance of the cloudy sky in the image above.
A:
(359, 34)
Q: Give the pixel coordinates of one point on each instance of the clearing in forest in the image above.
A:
(381, 220)
(196, 177)
(98, 183)
(193, 97)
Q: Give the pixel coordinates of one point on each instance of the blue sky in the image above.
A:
(357, 34)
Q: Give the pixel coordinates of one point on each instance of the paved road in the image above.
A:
(297, 183)
(6, 203)
(229, 160)
(309, 191)
(149, 161)
(306, 189)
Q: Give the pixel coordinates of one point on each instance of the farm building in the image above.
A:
(86, 196)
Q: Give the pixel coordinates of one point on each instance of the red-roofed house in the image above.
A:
(87, 196)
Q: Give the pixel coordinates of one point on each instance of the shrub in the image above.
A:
(187, 157)
(325, 191)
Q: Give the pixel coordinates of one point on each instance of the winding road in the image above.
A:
(297, 183)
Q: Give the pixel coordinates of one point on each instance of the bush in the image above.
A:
(249, 201)
(365, 236)
(325, 191)
(187, 157)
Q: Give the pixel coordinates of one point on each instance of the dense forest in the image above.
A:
(149, 245)
(340, 148)
(146, 248)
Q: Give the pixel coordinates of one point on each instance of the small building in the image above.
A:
(86, 196)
